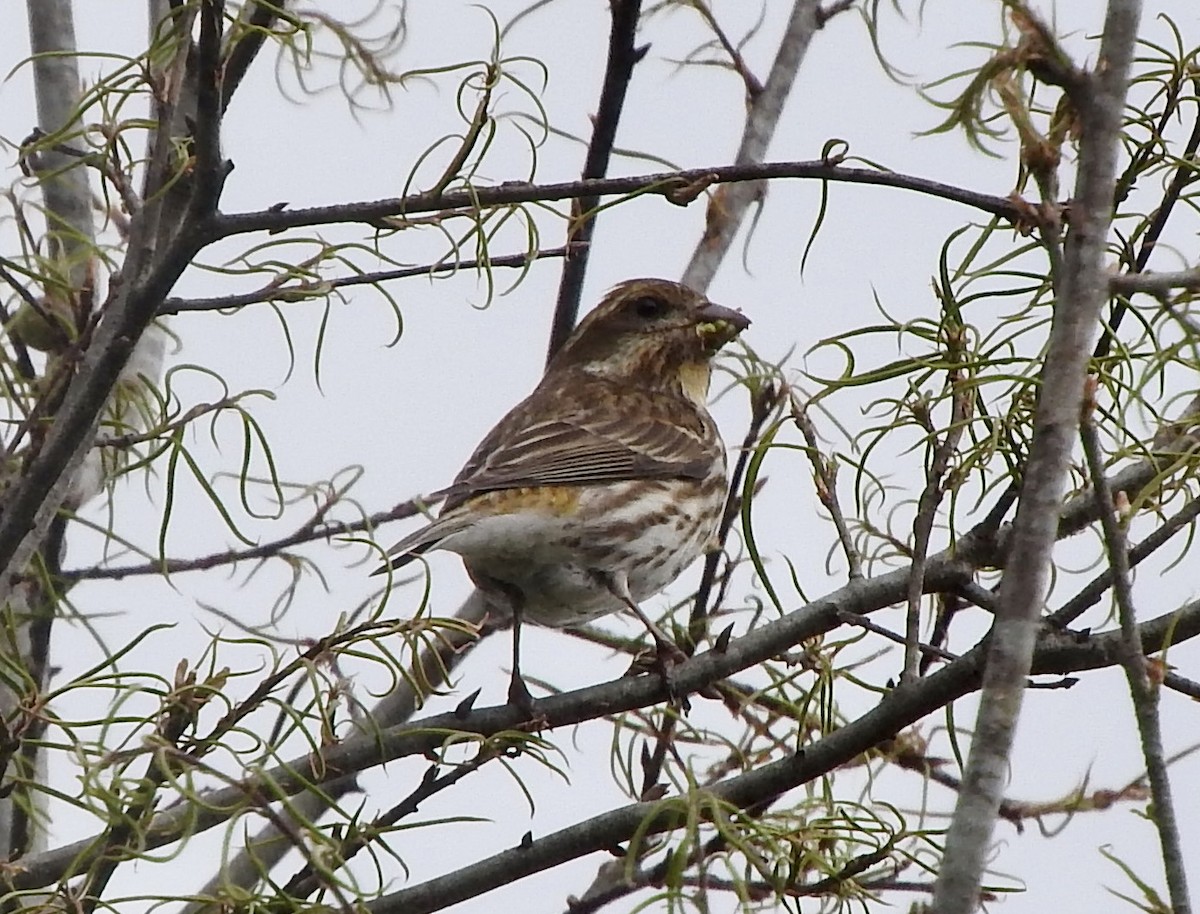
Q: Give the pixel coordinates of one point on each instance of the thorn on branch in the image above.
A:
(463, 708)
(721, 645)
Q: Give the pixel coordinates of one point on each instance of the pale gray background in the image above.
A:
(411, 413)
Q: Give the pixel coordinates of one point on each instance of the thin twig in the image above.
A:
(762, 404)
(307, 290)
(1181, 684)
(668, 184)
(307, 879)
(1089, 595)
(24, 363)
(315, 528)
(1019, 811)
(623, 56)
(253, 32)
(961, 399)
(1133, 659)
(1185, 173)
(430, 669)
(491, 76)
(167, 428)
(926, 649)
(825, 476)
(751, 82)
(177, 714)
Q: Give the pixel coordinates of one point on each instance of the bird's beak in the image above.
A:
(718, 325)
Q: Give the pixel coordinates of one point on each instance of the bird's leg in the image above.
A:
(667, 652)
(512, 597)
(518, 692)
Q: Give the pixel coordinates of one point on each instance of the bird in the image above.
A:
(598, 489)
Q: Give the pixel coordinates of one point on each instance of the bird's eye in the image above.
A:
(649, 307)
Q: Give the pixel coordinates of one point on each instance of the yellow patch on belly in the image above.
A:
(560, 500)
(694, 378)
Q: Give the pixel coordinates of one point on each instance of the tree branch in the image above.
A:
(1143, 692)
(240, 54)
(1083, 290)
(1159, 284)
(618, 71)
(727, 207)
(306, 290)
(899, 709)
(665, 183)
(1057, 653)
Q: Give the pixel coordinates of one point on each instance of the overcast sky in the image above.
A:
(409, 414)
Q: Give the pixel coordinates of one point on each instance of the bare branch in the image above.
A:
(305, 290)
(825, 476)
(1159, 284)
(1144, 693)
(941, 453)
(1082, 292)
(623, 56)
(317, 527)
(727, 207)
(665, 183)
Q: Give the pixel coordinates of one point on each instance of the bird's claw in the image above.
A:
(662, 660)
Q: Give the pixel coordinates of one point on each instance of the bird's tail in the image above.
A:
(421, 541)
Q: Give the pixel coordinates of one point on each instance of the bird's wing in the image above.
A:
(588, 447)
(639, 435)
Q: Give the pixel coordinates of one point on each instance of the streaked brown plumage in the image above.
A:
(608, 480)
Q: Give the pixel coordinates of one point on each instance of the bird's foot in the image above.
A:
(520, 698)
(662, 660)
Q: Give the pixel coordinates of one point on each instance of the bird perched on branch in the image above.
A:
(607, 481)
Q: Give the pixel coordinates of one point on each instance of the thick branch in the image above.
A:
(145, 279)
(1058, 653)
(600, 834)
(64, 182)
(1082, 294)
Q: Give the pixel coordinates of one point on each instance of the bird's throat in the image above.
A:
(693, 380)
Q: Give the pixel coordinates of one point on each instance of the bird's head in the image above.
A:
(651, 332)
